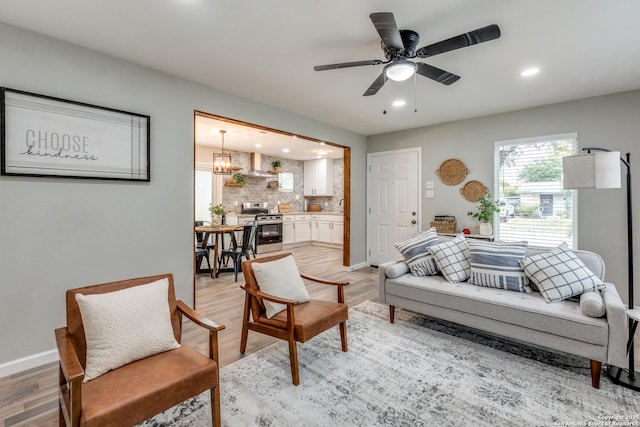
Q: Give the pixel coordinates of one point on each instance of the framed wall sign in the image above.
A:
(46, 136)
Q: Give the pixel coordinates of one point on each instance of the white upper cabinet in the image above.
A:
(318, 177)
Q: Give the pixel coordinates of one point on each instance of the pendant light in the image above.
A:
(222, 162)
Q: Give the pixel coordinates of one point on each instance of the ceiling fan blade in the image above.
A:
(480, 35)
(375, 86)
(433, 73)
(346, 65)
(386, 26)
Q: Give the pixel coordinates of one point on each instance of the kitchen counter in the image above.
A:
(313, 213)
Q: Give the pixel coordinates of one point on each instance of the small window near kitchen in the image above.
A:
(533, 205)
(286, 181)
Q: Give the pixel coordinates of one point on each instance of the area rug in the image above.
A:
(416, 372)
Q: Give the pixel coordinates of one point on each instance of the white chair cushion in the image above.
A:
(280, 278)
(124, 326)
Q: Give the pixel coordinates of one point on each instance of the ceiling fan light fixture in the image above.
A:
(400, 71)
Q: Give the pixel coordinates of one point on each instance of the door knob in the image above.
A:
(413, 213)
(413, 221)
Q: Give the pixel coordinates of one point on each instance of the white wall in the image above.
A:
(57, 234)
(608, 121)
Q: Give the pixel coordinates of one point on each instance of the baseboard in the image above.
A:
(29, 362)
(357, 266)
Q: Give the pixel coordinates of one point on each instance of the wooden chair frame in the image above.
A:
(288, 333)
(71, 373)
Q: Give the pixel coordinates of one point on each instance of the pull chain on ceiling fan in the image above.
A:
(399, 47)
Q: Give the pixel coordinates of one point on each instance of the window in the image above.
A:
(203, 194)
(533, 205)
(286, 181)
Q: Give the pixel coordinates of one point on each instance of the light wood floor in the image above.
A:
(30, 398)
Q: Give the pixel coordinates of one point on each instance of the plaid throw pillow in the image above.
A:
(497, 265)
(414, 251)
(559, 274)
(452, 258)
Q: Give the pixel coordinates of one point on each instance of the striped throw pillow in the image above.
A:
(416, 254)
(497, 265)
(560, 274)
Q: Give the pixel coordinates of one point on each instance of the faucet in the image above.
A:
(340, 204)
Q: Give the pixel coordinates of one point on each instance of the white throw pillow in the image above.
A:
(592, 304)
(280, 278)
(453, 259)
(124, 326)
(559, 274)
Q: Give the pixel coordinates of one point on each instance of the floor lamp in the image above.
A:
(602, 170)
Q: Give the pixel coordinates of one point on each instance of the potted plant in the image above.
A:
(484, 213)
(217, 214)
(238, 178)
(277, 166)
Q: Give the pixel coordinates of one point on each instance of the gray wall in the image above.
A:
(61, 233)
(608, 121)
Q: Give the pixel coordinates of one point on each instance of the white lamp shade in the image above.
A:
(598, 170)
(400, 71)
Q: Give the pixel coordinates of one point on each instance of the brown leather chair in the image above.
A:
(299, 322)
(139, 390)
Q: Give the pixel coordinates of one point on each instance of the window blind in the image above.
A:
(534, 206)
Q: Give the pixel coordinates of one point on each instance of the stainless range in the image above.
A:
(269, 236)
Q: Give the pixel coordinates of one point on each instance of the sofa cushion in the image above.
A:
(396, 270)
(497, 265)
(453, 259)
(414, 251)
(559, 274)
(564, 319)
(592, 304)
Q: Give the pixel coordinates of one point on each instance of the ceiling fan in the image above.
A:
(399, 47)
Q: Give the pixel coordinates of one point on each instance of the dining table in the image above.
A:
(217, 231)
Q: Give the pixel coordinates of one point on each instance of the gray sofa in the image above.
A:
(524, 317)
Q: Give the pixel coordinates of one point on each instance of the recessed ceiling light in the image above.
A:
(530, 72)
(399, 103)
(285, 150)
(258, 145)
(322, 143)
(322, 152)
(294, 136)
(318, 157)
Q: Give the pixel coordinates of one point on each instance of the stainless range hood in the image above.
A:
(256, 168)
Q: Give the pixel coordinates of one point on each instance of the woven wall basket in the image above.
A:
(473, 191)
(452, 172)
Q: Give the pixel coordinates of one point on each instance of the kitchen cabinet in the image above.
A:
(327, 229)
(288, 229)
(302, 229)
(318, 177)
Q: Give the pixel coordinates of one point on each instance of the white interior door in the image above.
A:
(393, 189)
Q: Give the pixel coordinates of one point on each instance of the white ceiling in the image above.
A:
(250, 139)
(266, 50)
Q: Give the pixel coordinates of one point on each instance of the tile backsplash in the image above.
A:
(255, 189)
